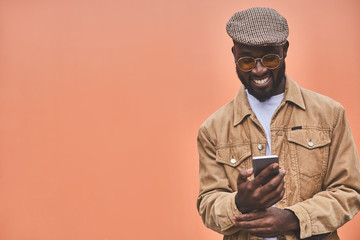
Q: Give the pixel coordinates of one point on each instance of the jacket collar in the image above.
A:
(243, 109)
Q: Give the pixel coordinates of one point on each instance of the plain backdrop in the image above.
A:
(101, 100)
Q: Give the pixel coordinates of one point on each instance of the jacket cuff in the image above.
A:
(232, 212)
(304, 220)
(235, 210)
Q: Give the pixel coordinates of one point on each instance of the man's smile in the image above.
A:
(261, 82)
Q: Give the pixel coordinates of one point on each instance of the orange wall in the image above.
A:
(100, 102)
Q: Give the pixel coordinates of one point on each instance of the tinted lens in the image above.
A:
(271, 61)
(246, 63)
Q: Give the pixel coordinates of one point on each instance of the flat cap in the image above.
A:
(258, 27)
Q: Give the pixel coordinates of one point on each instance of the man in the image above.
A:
(317, 188)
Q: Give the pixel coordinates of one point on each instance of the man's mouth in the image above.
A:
(262, 81)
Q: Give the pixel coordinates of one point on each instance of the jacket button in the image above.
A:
(311, 144)
(260, 147)
(233, 160)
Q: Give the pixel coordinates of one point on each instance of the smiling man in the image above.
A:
(267, 78)
(316, 189)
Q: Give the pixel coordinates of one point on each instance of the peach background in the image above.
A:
(100, 102)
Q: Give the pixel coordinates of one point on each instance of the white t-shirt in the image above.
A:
(264, 112)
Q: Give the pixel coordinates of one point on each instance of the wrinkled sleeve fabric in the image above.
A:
(216, 200)
(340, 199)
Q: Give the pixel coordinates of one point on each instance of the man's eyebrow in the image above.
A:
(272, 49)
(245, 53)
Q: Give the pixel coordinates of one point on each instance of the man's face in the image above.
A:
(262, 82)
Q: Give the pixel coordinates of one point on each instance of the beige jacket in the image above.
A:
(311, 136)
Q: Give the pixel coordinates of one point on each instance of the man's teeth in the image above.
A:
(261, 81)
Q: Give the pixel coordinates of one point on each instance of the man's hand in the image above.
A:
(252, 195)
(267, 223)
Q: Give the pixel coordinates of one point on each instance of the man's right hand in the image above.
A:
(252, 195)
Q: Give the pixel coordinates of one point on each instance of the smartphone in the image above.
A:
(261, 162)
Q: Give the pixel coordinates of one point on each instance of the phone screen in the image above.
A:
(261, 162)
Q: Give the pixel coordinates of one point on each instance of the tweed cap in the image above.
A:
(258, 27)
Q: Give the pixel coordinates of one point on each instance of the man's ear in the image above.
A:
(285, 48)
(233, 50)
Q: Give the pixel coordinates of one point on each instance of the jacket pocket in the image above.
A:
(309, 151)
(234, 158)
(233, 155)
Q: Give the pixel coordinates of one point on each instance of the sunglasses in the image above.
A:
(271, 61)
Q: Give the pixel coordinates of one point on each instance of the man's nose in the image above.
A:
(259, 68)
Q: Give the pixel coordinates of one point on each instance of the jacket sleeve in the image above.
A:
(216, 200)
(340, 199)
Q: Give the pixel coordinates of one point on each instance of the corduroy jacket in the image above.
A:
(311, 136)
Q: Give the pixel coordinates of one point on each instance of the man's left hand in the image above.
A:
(271, 222)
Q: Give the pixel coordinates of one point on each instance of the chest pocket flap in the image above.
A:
(233, 155)
(309, 138)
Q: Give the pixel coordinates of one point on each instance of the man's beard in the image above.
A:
(263, 96)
